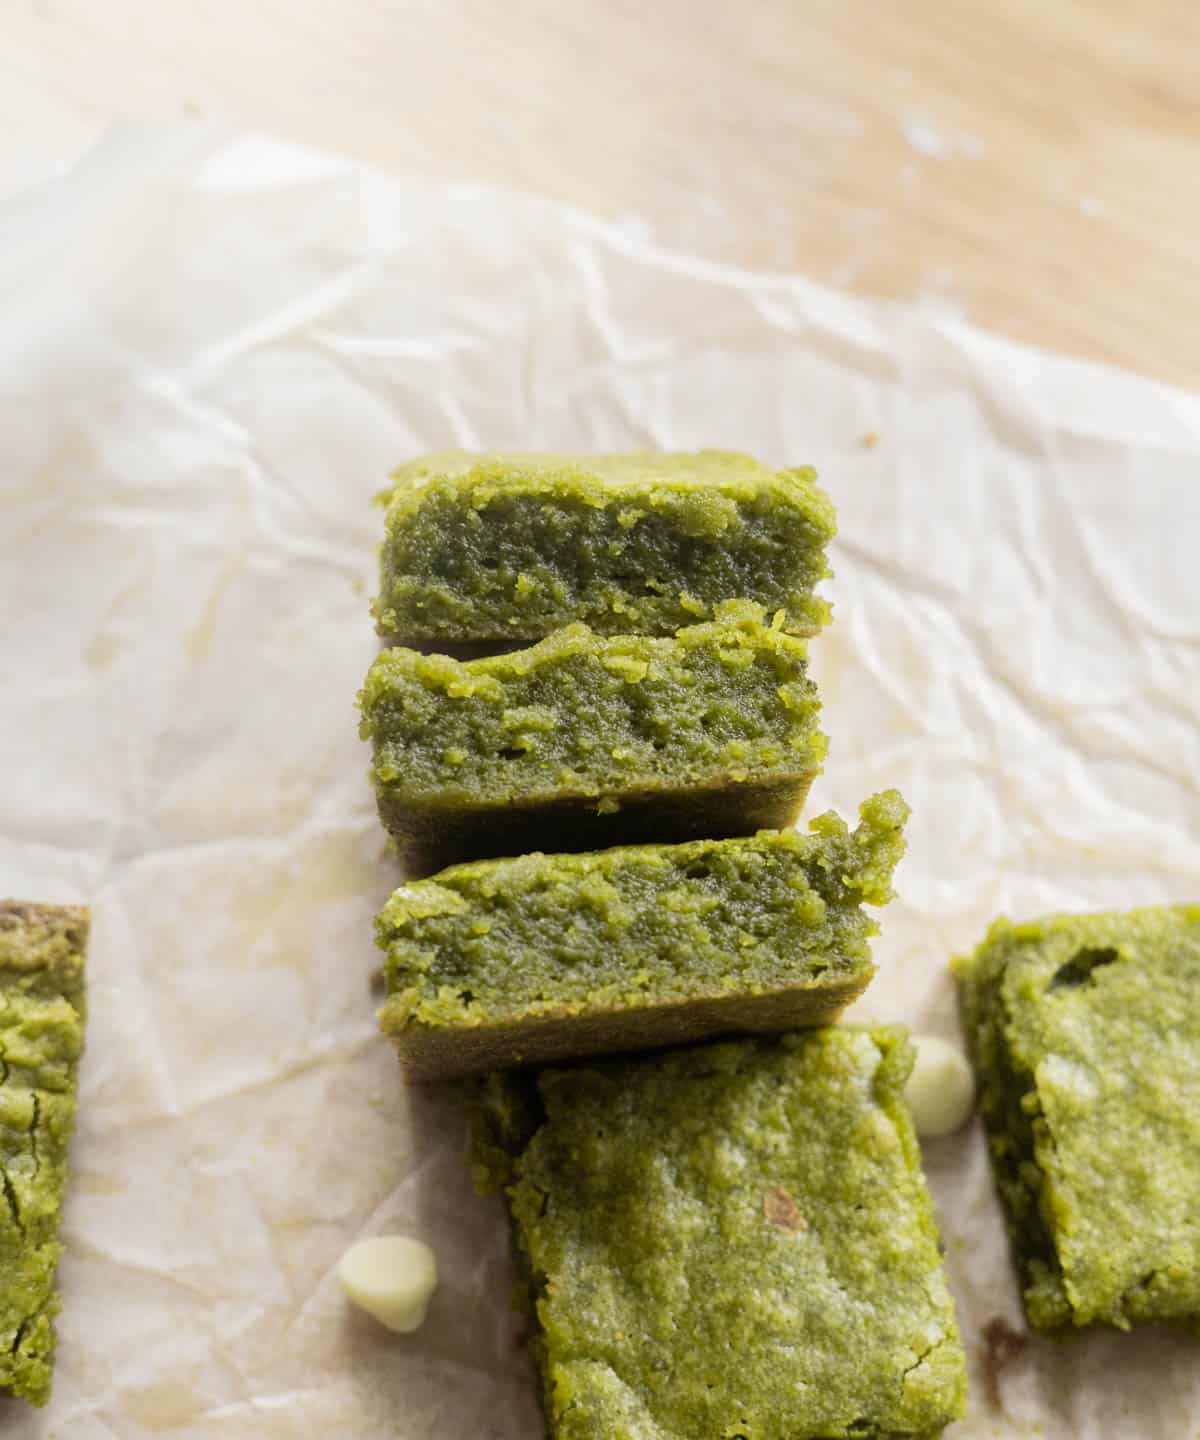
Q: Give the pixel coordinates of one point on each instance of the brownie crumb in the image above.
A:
(1001, 1346)
(780, 1209)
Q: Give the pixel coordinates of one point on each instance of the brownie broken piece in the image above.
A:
(585, 740)
(1085, 1035)
(546, 957)
(41, 1039)
(503, 548)
(731, 1240)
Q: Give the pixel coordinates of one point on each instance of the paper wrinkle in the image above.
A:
(198, 405)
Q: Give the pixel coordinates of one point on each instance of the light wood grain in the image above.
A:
(1032, 164)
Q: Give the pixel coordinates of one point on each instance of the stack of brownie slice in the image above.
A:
(604, 659)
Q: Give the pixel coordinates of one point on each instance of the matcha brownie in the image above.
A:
(545, 957)
(1085, 1034)
(41, 1037)
(731, 1240)
(586, 740)
(503, 548)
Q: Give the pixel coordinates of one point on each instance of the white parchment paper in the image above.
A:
(212, 351)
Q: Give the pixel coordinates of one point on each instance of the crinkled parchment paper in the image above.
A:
(212, 351)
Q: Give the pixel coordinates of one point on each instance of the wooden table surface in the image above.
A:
(1031, 163)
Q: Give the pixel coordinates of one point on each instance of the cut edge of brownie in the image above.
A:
(447, 1019)
(593, 484)
(581, 1033)
(469, 759)
(1009, 1127)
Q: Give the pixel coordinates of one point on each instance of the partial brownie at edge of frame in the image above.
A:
(547, 957)
(503, 548)
(1085, 1035)
(730, 1240)
(584, 740)
(42, 1011)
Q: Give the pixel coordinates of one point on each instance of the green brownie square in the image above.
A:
(733, 1240)
(508, 547)
(586, 740)
(41, 1038)
(1085, 1035)
(551, 957)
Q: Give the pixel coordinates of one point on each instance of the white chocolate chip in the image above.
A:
(941, 1089)
(390, 1277)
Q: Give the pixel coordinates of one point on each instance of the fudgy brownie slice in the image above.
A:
(546, 957)
(495, 548)
(587, 740)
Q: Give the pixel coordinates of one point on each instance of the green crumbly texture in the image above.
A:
(1085, 1033)
(732, 1241)
(548, 957)
(509, 547)
(709, 731)
(41, 1038)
